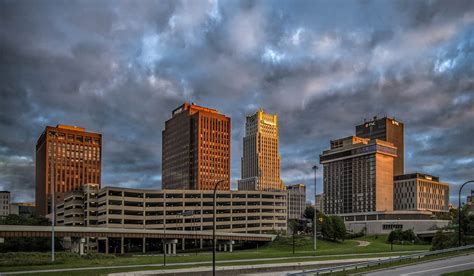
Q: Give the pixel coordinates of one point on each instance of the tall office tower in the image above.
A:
(196, 149)
(72, 155)
(386, 129)
(261, 160)
(358, 175)
(296, 201)
(417, 191)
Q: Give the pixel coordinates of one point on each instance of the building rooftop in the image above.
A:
(193, 107)
(75, 128)
(416, 175)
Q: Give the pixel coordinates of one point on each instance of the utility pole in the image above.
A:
(315, 168)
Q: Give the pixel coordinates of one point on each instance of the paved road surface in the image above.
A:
(436, 267)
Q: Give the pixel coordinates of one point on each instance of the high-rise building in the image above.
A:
(358, 175)
(196, 149)
(422, 192)
(386, 129)
(296, 200)
(261, 159)
(4, 203)
(72, 155)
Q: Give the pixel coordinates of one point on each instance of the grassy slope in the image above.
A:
(468, 272)
(279, 248)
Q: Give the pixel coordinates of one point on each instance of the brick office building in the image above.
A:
(72, 155)
(196, 149)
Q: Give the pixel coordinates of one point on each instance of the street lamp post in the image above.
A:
(459, 210)
(214, 229)
(315, 168)
(53, 186)
(164, 229)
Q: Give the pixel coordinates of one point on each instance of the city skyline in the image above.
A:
(120, 73)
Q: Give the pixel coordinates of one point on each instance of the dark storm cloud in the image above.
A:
(120, 67)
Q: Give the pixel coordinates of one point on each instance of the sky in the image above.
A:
(121, 67)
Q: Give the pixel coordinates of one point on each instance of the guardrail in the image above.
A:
(378, 262)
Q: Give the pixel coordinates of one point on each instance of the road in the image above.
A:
(436, 267)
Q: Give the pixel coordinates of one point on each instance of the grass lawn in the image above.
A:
(469, 272)
(280, 248)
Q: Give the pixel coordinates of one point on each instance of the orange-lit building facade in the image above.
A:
(72, 155)
(196, 149)
(390, 130)
(261, 158)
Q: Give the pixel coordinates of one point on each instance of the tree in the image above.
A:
(443, 240)
(394, 236)
(20, 220)
(23, 243)
(293, 226)
(339, 228)
(333, 228)
(309, 213)
(409, 235)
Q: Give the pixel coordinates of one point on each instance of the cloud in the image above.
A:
(120, 67)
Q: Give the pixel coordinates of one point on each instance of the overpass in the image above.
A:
(107, 233)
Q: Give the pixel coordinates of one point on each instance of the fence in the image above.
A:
(379, 262)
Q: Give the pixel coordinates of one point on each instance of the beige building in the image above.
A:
(261, 159)
(4, 203)
(377, 223)
(22, 208)
(236, 211)
(358, 175)
(319, 202)
(418, 191)
(296, 201)
(79, 208)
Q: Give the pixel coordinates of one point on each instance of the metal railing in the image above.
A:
(368, 264)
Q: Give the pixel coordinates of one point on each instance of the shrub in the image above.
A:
(399, 236)
(354, 235)
(443, 240)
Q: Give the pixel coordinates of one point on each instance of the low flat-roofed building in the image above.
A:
(417, 191)
(384, 222)
(192, 210)
(24, 209)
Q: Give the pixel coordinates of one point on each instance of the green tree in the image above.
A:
(309, 212)
(409, 235)
(339, 228)
(443, 240)
(25, 244)
(394, 236)
(333, 228)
